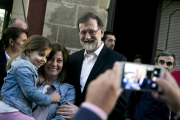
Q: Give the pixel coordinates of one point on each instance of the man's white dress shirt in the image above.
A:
(88, 63)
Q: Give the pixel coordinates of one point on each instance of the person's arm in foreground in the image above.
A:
(102, 94)
(170, 94)
(67, 111)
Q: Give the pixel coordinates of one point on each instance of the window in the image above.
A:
(2, 12)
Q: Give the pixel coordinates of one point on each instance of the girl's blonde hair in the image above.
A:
(34, 42)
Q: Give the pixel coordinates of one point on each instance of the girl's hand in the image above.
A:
(55, 97)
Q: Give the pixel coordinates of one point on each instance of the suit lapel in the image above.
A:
(100, 62)
(78, 64)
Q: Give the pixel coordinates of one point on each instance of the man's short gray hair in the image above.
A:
(12, 21)
(165, 53)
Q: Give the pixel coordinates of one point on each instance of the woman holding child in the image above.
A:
(19, 90)
(54, 73)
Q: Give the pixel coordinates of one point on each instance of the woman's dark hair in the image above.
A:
(10, 33)
(56, 47)
(34, 42)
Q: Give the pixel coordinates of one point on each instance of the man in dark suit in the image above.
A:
(85, 65)
(101, 106)
(142, 105)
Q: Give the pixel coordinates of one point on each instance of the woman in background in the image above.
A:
(10, 43)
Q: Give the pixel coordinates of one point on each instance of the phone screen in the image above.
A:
(140, 77)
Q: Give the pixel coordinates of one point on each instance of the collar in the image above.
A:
(96, 52)
(55, 84)
(24, 56)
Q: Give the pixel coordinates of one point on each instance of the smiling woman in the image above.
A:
(54, 73)
(57, 62)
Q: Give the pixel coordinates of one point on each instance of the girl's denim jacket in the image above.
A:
(67, 93)
(19, 86)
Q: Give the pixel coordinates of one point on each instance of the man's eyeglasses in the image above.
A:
(91, 32)
(169, 63)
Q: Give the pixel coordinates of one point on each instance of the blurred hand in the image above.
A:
(104, 91)
(55, 97)
(170, 94)
(67, 111)
(41, 79)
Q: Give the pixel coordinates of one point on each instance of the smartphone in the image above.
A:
(141, 77)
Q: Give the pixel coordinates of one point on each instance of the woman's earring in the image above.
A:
(12, 44)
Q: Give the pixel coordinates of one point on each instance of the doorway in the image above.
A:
(135, 27)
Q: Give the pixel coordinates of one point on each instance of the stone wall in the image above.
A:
(17, 10)
(61, 17)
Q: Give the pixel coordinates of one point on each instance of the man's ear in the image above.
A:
(102, 32)
(28, 52)
(155, 63)
(174, 67)
(11, 41)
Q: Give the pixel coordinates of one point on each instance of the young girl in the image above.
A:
(18, 91)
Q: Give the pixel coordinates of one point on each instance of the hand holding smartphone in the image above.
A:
(141, 77)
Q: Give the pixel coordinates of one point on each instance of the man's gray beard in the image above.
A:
(90, 48)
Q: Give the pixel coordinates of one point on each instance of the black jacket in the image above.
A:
(105, 61)
(3, 64)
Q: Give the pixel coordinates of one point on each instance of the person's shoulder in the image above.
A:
(75, 57)
(76, 53)
(3, 57)
(20, 63)
(2, 54)
(65, 86)
(117, 55)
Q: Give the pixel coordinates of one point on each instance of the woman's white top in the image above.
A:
(7, 57)
(6, 108)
